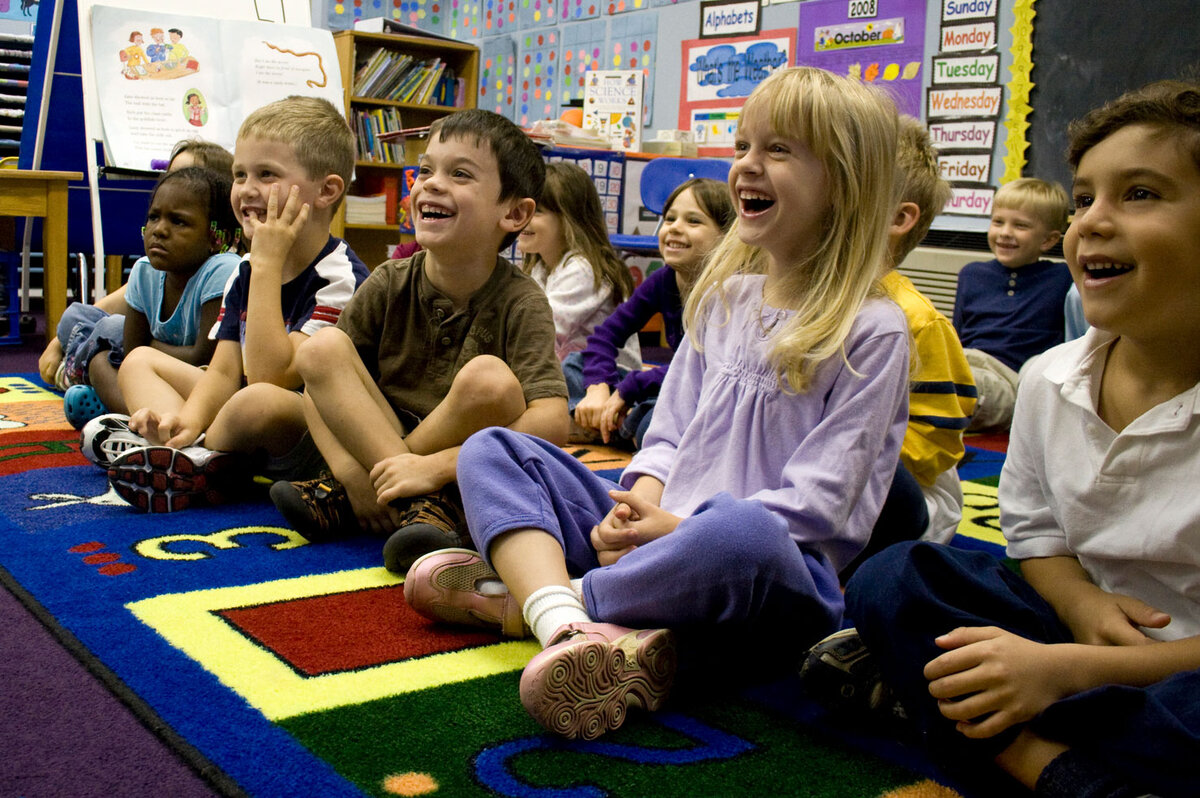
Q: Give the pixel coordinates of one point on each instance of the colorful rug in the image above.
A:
(281, 668)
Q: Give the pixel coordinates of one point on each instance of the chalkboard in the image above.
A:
(1086, 53)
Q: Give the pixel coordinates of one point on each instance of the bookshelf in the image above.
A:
(415, 93)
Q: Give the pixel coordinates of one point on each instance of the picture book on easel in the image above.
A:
(162, 77)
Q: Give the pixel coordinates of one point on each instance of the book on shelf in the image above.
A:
(366, 210)
(369, 125)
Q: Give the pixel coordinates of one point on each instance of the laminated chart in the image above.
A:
(428, 15)
(584, 46)
(497, 75)
(572, 10)
(537, 76)
(621, 6)
(499, 16)
(465, 19)
(632, 46)
(538, 13)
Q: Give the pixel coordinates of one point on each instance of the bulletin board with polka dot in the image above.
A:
(572, 10)
(498, 75)
(499, 16)
(538, 13)
(464, 19)
(585, 46)
(537, 76)
(631, 45)
(621, 6)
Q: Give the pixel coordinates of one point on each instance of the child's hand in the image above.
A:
(1113, 619)
(168, 429)
(271, 240)
(48, 363)
(611, 415)
(991, 679)
(373, 517)
(401, 477)
(589, 409)
(633, 521)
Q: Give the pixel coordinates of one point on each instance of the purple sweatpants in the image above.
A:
(731, 564)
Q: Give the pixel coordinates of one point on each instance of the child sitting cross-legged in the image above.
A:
(432, 348)
(925, 500)
(1083, 677)
(773, 442)
(83, 357)
(607, 399)
(567, 252)
(292, 160)
(1009, 309)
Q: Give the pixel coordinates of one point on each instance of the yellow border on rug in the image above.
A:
(189, 622)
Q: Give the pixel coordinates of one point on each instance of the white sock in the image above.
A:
(550, 607)
(577, 586)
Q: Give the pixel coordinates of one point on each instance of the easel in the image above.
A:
(62, 61)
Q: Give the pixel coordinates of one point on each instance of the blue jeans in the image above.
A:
(910, 593)
(84, 332)
(637, 420)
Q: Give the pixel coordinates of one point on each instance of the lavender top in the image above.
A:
(823, 460)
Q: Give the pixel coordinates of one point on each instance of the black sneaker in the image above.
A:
(841, 673)
(431, 522)
(318, 509)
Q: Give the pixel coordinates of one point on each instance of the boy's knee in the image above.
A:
(487, 383)
(324, 347)
(142, 360)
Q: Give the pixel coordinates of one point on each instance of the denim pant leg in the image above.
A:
(572, 367)
(510, 480)
(85, 331)
(904, 516)
(910, 593)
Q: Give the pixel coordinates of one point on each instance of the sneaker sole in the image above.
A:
(587, 688)
(412, 542)
(159, 479)
(432, 593)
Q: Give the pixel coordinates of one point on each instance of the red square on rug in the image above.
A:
(348, 631)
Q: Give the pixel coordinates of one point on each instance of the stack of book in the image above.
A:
(366, 210)
(369, 124)
(391, 75)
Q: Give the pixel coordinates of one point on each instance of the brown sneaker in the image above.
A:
(431, 522)
(318, 509)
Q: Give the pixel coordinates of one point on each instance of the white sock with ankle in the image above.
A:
(577, 586)
(550, 607)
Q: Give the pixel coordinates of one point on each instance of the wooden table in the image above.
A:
(25, 192)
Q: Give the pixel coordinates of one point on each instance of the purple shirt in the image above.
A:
(658, 293)
(823, 459)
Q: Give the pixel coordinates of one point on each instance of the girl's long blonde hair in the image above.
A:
(571, 195)
(852, 129)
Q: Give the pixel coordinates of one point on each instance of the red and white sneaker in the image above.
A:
(159, 479)
(581, 685)
(444, 586)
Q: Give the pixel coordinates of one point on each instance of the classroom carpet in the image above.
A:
(276, 667)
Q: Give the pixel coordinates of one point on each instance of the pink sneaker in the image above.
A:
(582, 683)
(443, 586)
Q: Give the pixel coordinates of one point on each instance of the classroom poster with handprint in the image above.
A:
(163, 77)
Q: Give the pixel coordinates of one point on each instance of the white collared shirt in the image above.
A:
(1126, 505)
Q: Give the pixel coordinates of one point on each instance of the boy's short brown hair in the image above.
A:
(1046, 200)
(1173, 105)
(919, 181)
(314, 129)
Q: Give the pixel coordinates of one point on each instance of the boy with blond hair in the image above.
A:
(433, 348)
(1080, 679)
(1010, 308)
(292, 161)
(941, 395)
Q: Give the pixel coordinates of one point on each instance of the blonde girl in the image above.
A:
(773, 444)
(613, 402)
(567, 252)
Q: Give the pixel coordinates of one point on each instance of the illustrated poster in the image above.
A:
(612, 106)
